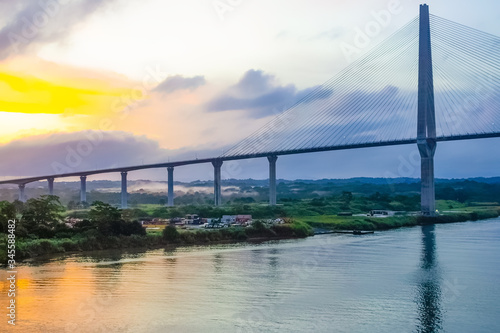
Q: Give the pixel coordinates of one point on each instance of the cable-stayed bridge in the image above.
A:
(432, 80)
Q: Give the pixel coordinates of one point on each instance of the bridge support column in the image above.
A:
(426, 123)
(124, 190)
(217, 179)
(22, 197)
(83, 188)
(50, 180)
(272, 179)
(170, 194)
(427, 199)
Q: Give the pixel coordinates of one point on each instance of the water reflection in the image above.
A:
(218, 263)
(429, 289)
(274, 258)
(274, 276)
(294, 286)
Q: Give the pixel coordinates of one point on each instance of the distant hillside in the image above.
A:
(255, 190)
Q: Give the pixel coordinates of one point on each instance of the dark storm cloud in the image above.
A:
(178, 82)
(259, 94)
(35, 22)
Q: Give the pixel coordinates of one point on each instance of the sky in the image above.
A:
(92, 84)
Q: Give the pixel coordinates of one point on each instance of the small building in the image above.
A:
(243, 219)
(158, 221)
(192, 219)
(381, 212)
(177, 221)
(228, 219)
(145, 221)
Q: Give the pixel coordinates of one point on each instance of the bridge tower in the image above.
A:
(426, 123)
(124, 194)
(170, 191)
(217, 163)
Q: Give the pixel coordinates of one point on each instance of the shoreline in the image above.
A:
(123, 250)
(81, 243)
(370, 223)
(40, 249)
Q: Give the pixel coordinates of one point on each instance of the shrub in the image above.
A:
(187, 237)
(241, 235)
(43, 231)
(133, 228)
(69, 245)
(283, 230)
(170, 234)
(301, 229)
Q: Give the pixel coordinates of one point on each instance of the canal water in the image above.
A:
(443, 278)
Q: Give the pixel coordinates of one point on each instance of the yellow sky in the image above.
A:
(27, 93)
(43, 97)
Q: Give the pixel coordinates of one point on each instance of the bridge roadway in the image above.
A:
(217, 163)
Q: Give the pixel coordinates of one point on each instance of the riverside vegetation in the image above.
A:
(40, 231)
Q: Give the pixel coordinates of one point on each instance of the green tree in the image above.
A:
(346, 199)
(133, 214)
(42, 215)
(19, 205)
(103, 212)
(108, 221)
(170, 234)
(46, 210)
(72, 205)
(380, 197)
(7, 212)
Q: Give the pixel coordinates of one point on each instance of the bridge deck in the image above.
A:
(27, 180)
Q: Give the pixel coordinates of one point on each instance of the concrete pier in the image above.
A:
(272, 179)
(50, 180)
(124, 190)
(217, 180)
(83, 188)
(22, 196)
(426, 123)
(170, 194)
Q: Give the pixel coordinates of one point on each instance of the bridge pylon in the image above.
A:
(426, 123)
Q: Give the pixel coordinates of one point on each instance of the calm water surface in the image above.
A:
(423, 279)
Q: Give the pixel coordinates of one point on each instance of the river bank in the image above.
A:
(93, 241)
(301, 227)
(334, 222)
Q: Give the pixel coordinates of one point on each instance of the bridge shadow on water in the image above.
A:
(429, 291)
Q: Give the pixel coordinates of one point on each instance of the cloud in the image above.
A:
(260, 94)
(71, 152)
(178, 82)
(86, 150)
(35, 22)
